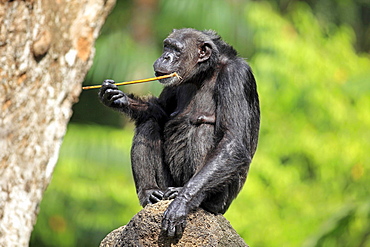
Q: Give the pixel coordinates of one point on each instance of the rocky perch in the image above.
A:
(202, 229)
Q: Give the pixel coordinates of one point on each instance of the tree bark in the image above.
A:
(46, 48)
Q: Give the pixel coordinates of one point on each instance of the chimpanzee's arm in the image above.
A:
(136, 108)
(150, 175)
(237, 125)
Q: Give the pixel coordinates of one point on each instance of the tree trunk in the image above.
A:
(46, 48)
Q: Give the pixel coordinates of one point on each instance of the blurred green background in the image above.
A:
(309, 180)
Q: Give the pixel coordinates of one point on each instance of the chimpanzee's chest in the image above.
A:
(189, 135)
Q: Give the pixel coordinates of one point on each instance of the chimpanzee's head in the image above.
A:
(187, 52)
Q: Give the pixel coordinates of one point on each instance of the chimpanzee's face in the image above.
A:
(181, 53)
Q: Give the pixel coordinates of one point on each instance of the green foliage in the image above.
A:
(307, 184)
(92, 191)
(223, 16)
(313, 153)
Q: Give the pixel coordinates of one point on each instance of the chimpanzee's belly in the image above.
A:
(185, 147)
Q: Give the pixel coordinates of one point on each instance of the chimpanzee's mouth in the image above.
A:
(159, 73)
(170, 78)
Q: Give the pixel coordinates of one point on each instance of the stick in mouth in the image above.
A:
(137, 81)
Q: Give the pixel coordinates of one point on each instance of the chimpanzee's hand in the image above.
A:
(174, 218)
(171, 193)
(111, 96)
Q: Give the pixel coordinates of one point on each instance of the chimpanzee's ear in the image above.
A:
(204, 52)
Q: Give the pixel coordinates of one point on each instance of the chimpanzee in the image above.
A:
(195, 142)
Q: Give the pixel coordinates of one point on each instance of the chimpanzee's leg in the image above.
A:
(150, 174)
(219, 201)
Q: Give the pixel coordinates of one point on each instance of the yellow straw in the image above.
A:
(137, 81)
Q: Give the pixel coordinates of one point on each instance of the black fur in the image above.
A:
(195, 142)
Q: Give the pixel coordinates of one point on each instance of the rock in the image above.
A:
(202, 229)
